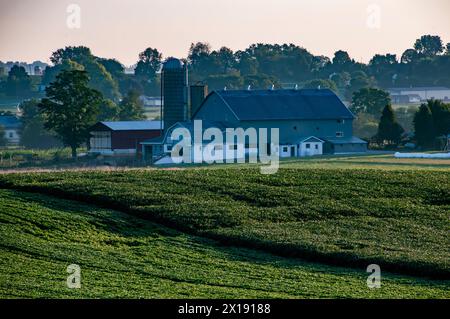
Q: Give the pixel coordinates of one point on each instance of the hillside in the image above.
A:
(397, 219)
(127, 257)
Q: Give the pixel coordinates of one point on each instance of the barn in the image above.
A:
(123, 137)
(310, 122)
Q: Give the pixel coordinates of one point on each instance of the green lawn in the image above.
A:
(127, 257)
(397, 219)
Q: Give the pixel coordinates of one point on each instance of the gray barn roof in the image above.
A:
(258, 105)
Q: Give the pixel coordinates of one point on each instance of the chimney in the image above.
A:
(198, 94)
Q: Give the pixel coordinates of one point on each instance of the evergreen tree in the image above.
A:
(441, 116)
(424, 127)
(389, 129)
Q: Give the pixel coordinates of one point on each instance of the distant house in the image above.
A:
(122, 138)
(419, 94)
(151, 101)
(310, 122)
(12, 125)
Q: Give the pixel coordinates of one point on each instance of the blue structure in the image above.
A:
(310, 122)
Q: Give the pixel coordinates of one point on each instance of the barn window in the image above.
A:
(339, 134)
(308, 145)
(341, 121)
(285, 149)
(317, 146)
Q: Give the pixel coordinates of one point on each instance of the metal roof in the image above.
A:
(10, 121)
(259, 105)
(133, 125)
(346, 140)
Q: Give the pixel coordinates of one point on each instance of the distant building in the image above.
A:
(151, 101)
(12, 125)
(122, 138)
(419, 94)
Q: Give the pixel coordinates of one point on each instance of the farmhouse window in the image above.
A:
(308, 145)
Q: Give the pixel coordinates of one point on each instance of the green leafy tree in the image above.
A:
(18, 82)
(2, 136)
(429, 45)
(33, 134)
(225, 58)
(81, 58)
(389, 130)
(70, 108)
(74, 53)
(370, 100)
(409, 56)
(341, 60)
(247, 65)
(424, 127)
(131, 107)
(149, 63)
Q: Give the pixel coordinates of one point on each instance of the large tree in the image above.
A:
(389, 130)
(18, 83)
(226, 59)
(149, 63)
(70, 108)
(424, 127)
(370, 100)
(341, 58)
(429, 45)
(81, 58)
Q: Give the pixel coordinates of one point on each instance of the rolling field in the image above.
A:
(397, 219)
(122, 256)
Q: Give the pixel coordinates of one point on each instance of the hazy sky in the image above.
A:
(33, 29)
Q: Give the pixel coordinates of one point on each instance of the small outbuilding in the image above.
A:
(122, 138)
(11, 124)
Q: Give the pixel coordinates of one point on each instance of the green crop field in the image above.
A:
(315, 211)
(122, 256)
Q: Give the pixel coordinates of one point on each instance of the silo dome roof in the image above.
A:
(173, 63)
